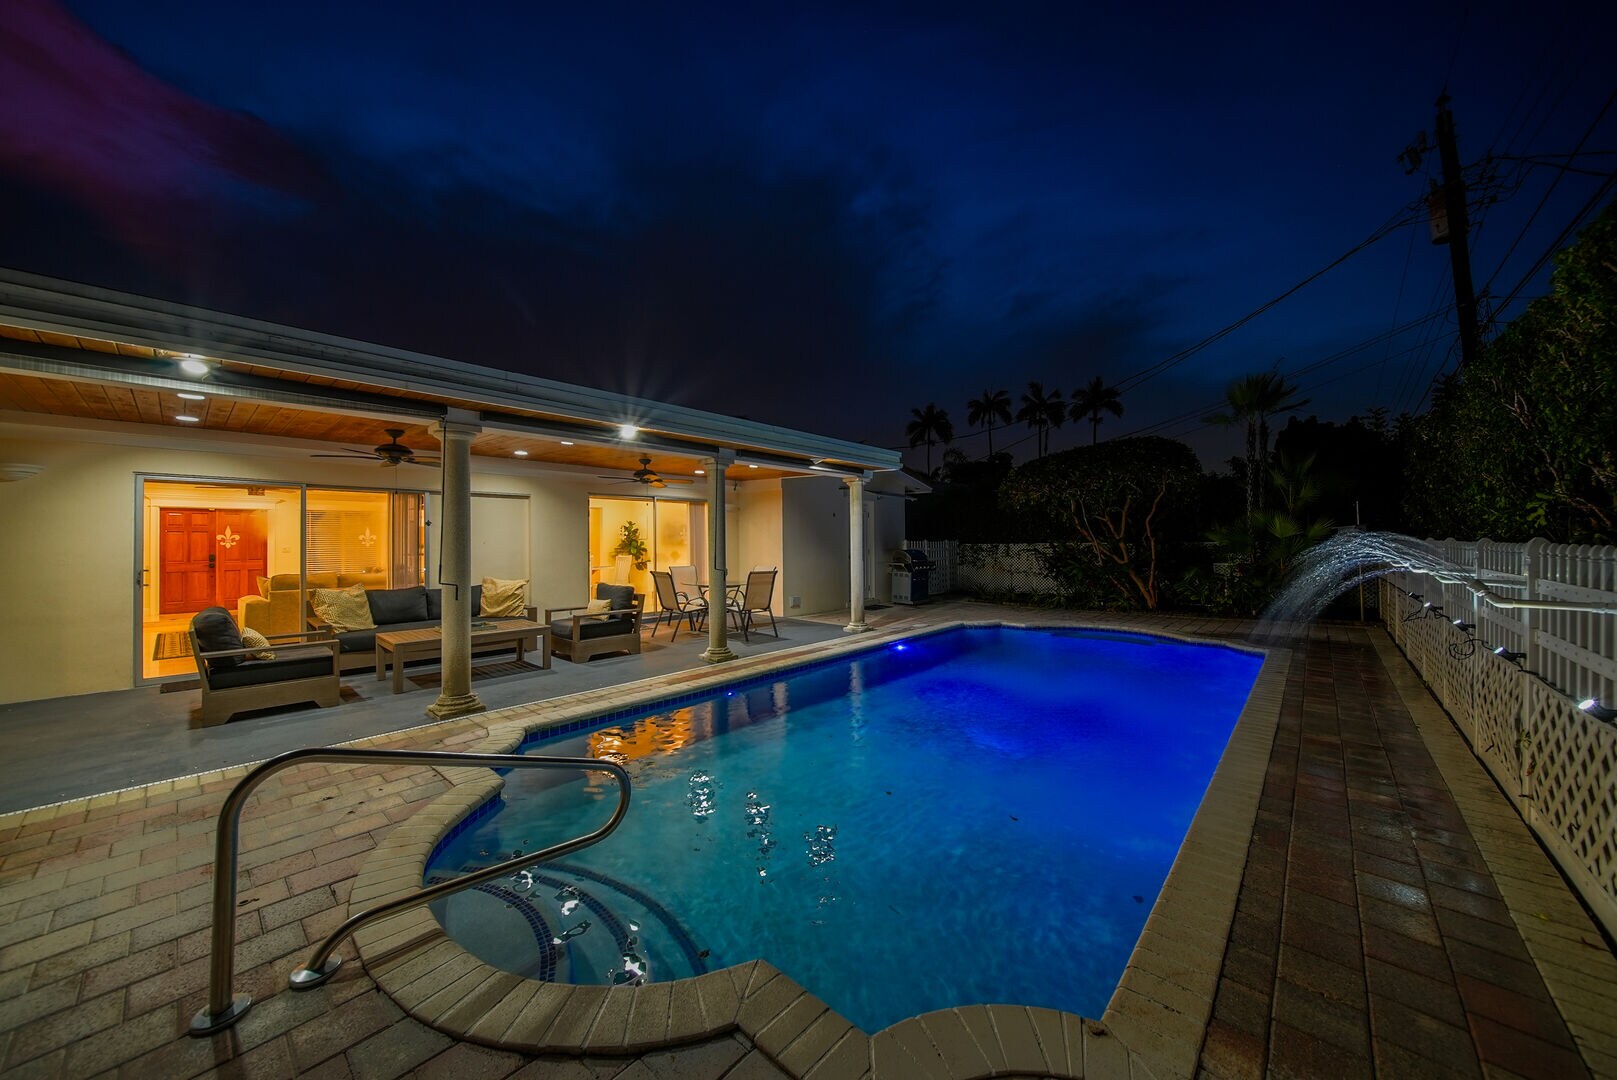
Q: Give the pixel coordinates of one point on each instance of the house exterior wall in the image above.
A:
(68, 541)
(756, 540)
(814, 528)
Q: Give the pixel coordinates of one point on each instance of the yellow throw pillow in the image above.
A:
(252, 639)
(505, 599)
(345, 609)
(598, 607)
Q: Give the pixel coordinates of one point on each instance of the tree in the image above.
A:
(1252, 400)
(1266, 544)
(1093, 400)
(983, 412)
(1124, 502)
(929, 425)
(1519, 441)
(1042, 411)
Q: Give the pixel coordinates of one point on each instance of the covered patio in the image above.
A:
(1385, 913)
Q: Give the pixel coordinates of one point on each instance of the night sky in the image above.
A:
(817, 217)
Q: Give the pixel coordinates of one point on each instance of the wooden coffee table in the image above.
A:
(406, 645)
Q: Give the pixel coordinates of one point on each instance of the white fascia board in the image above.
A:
(85, 311)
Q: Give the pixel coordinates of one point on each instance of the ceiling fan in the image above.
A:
(648, 476)
(390, 453)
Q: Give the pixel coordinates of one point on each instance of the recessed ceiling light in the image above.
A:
(193, 365)
(188, 419)
(193, 397)
(627, 431)
(567, 442)
(752, 466)
(701, 472)
(519, 453)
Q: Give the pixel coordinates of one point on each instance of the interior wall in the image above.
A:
(814, 563)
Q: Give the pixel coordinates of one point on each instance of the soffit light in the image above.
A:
(193, 397)
(752, 466)
(567, 442)
(700, 472)
(189, 419)
(519, 453)
(193, 365)
(627, 431)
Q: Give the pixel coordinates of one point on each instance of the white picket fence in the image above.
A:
(1557, 762)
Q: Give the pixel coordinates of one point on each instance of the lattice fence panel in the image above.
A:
(1005, 570)
(945, 556)
(1496, 736)
(1572, 794)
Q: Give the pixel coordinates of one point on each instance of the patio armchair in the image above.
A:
(578, 634)
(676, 606)
(234, 679)
(758, 595)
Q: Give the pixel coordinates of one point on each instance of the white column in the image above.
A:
(455, 696)
(718, 646)
(856, 556)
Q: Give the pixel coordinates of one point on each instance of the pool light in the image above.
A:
(1594, 708)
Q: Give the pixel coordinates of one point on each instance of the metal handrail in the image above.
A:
(223, 1010)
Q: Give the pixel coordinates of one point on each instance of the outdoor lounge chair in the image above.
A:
(578, 635)
(757, 596)
(676, 606)
(233, 679)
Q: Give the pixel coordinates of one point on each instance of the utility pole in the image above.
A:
(1465, 300)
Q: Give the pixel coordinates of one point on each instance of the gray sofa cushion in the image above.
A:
(389, 606)
(591, 628)
(216, 630)
(293, 663)
(435, 602)
(622, 596)
(365, 640)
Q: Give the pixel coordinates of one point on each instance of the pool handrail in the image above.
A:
(222, 1009)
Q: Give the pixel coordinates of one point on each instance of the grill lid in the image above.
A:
(911, 559)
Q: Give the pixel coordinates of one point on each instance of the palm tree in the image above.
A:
(1252, 400)
(982, 412)
(929, 425)
(1042, 411)
(1091, 401)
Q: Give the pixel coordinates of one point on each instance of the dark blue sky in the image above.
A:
(819, 218)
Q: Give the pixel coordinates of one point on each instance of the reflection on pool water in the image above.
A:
(978, 816)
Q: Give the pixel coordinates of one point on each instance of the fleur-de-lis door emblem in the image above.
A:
(227, 539)
(366, 538)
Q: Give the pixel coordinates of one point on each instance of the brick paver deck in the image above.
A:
(1374, 933)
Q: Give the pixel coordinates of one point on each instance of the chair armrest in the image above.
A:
(322, 634)
(330, 643)
(551, 613)
(533, 613)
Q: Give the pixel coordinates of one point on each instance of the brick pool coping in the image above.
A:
(1154, 1022)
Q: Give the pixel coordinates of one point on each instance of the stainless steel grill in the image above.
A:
(912, 576)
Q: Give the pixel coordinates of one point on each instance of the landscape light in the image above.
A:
(1435, 609)
(1413, 595)
(1594, 708)
(1504, 653)
(193, 365)
(1466, 626)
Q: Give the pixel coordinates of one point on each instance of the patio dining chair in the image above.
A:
(676, 606)
(757, 596)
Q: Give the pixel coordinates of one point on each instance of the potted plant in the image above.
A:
(631, 543)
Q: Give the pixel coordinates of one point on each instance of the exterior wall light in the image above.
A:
(1594, 708)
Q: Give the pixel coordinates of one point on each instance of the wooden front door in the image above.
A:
(202, 564)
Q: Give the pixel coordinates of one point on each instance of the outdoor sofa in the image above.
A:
(411, 608)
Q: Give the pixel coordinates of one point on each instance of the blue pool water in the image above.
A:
(978, 816)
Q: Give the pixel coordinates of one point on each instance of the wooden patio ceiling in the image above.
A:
(120, 401)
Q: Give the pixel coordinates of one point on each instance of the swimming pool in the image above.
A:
(981, 815)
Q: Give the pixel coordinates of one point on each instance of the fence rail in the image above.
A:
(1520, 711)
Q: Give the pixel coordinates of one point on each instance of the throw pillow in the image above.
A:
(216, 632)
(344, 609)
(598, 607)
(505, 599)
(252, 639)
